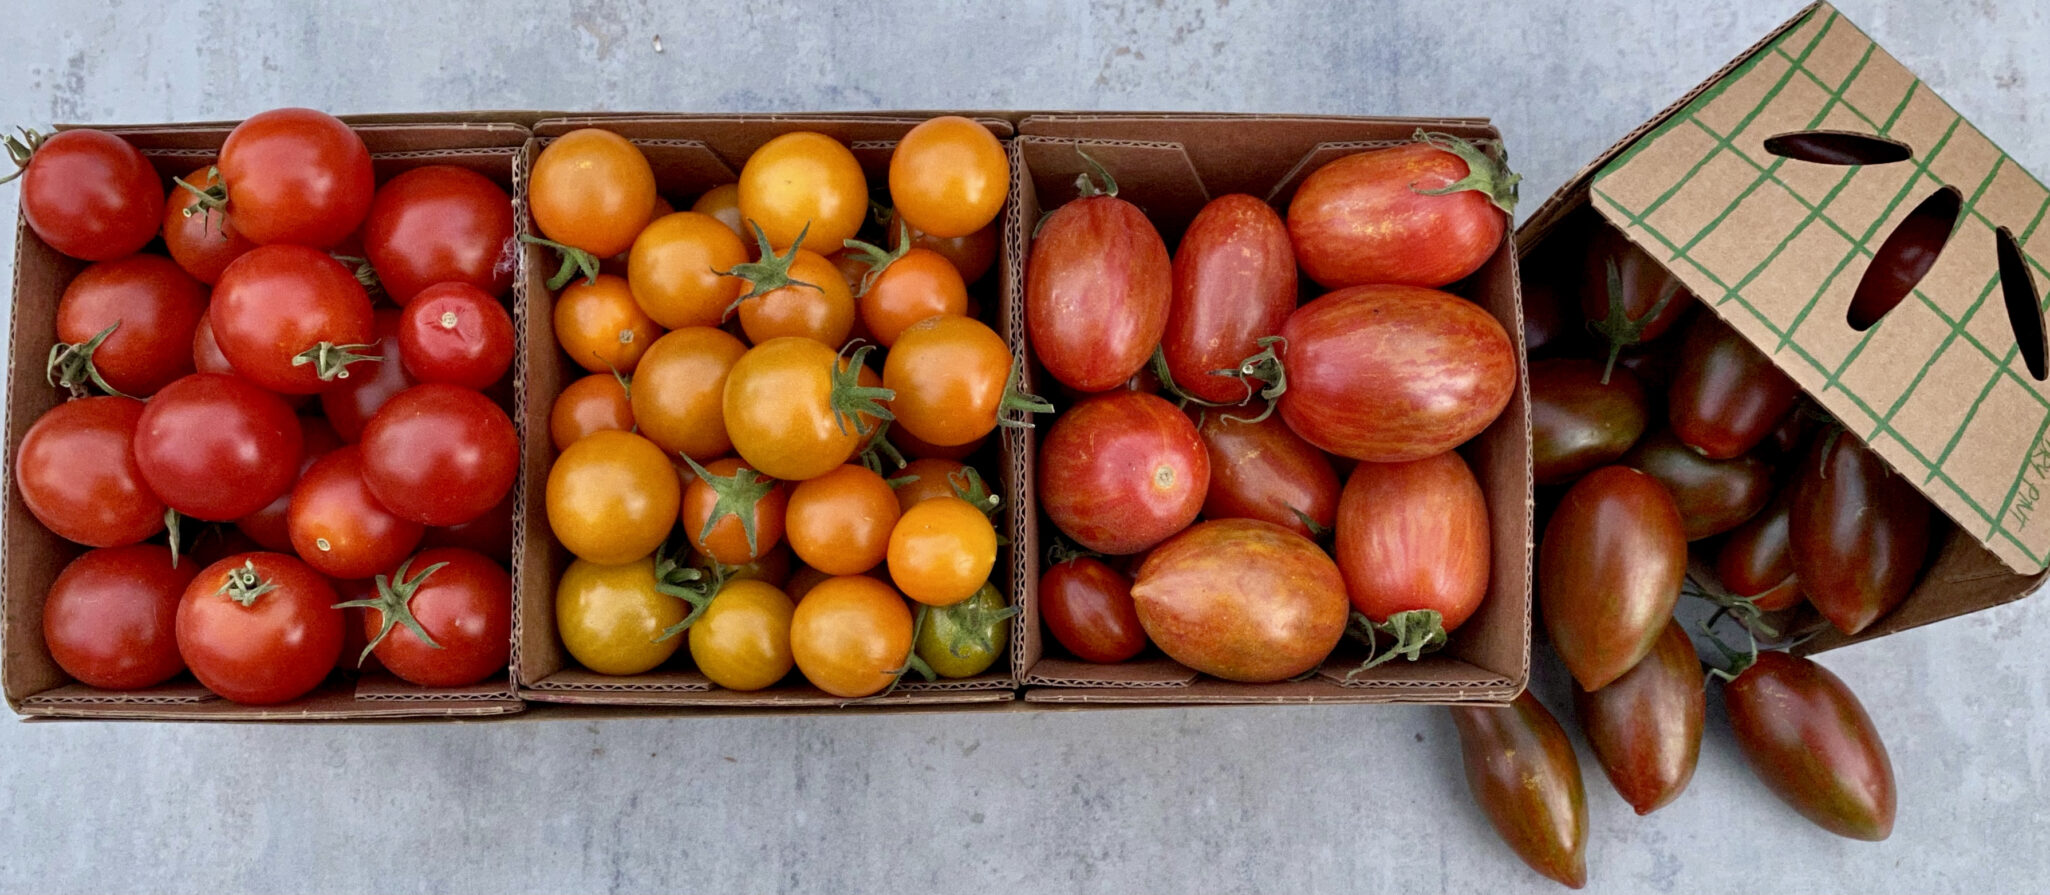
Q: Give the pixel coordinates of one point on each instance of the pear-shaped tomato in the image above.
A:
(1242, 599)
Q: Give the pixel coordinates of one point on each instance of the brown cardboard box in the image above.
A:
(1777, 246)
(691, 154)
(1170, 165)
(31, 556)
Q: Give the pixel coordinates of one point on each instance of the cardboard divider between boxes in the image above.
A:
(32, 556)
(1170, 166)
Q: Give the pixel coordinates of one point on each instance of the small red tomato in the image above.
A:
(270, 527)
(339, 528)
(1859, 532)
(111, 617)
(1234, 284)
(90, 194)
(259, 628)
(77, 472)
(454, 333)
(1121, 472)
(1521, 769)
(1646, 726)
(1413, 538)
(296, 176)
(1096, 292)
(1425, 214)
(1241, 599)
(1263, 470)
(440, 224)
(214, 447)
(440, 455)
(205, 241)
(1609, 571)
(351, 403)
(1727, 396)
(1809, 740)
(447, 625)
(127, 325)
(292, 319)
(1088, 609)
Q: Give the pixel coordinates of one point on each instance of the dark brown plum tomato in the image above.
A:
(1859, 532)
(1714, 496)
(1609, 571)
(1522, 771)
(1810, 741)
(1646, 726)
(1727, 396)
(1578, 423)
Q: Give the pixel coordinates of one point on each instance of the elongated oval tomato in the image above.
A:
(91, 195)
(1860, 533)
(1234, 283)
(850, 634)
(292, 319)
(1646, 727)
(1521, 769)
(259, 628)
(1714, 496)
(1241, 599)
(1369, 217)
(1263, 470)
(217, 448)
(1620, 310)
(1757, 560)
(440, 224)
(204, 242)
(1727, 396)
(1097, 290)
(593, 190)
(1123, 471)
(674, 269)
(1087, 606)
(1609, 572)
(1576, 421)
(1392, 373)
(1810, 741)
(111, 618)
(297, 176)
(147, 306)
(679, 388)
(1414, 537)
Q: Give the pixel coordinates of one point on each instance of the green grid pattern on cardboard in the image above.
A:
(1992, 516)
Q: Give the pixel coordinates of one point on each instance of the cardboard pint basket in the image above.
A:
(691, 154)
(31, 556)
(1170, 165)
(1777, 236)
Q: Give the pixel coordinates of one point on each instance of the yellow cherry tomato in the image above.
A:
(611, 617)
(723, 203)
(941, 551)
(793, 408)
(612, 497)
(673, 270)
(742, 642)
(678, 389)
(804, 180)
(850, 635)
(593, 190)
(949, 177)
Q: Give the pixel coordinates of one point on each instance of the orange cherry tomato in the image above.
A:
(673, 270)
(592, 190)
(840, 522)
(804, 179)
(799, 293)
(678, 389)
(723, 202)
(909, 286)
(850, 635)
(973, 255)
(742, 642)
(950, 375)
(734, 514)
(912, 447)
(949, 176)
(925, 479)
(594, 403)
(601, 327)
(612, 497)
(941, 551)
(795, 409)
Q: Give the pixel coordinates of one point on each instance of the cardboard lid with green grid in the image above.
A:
(1772, 193)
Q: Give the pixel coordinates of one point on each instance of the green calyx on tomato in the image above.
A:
(1741, 608)
(208, 199)
(769, 274)
(331, 362)
(1740, 662)
(676, 578)
(1485, 174)
(70, 366)
(364, 273)
(21, 150)
(1018, 401)
(969, 486)
(1416, 632)
(739, 493)
(244, 585)
(1619, 328)
(1263, 367)
(575, 261)
(1087, 186)
(851, 399)
(879, 451)
(394, 606)
(878, 258)
(963, 639)
(912, 660)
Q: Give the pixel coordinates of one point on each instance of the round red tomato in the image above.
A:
(1413, 538)
(1096, 292)
(270, 528)
(440, 455)
(214, 447)
(78, 474)
(90, 194)
(490, 534)
(1088, 609)
(1425, 214)
(205, 241)
(443, 620)
(127, 325)
(440, 224)
(454, 333)
(1121, 472)
(351, 402)
(1392, 373)
(292, 319)
(1242, 599)
(1263, 470)
(111, 618)
(1234, 284)
(296, 176)
(339, 528)
(260, 628)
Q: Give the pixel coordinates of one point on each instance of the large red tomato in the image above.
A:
(444, 619)
(1391, 373)
(215, 447)
(1096, 292)
(440, 455)
(339, 528)
(260, 628)
(1413, 540)
(1234, 284)
(90, 194)
(127, 325)
(292, 319)
(440, 224)
(77, 472)
(1242, 599)
(1263, 470)
(296, 176)
(1609, 572)
(1425, 214)
(350, 403)
(1121, 472)
(111, 618)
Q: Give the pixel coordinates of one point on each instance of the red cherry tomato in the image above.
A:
(204, 242)
(459, 600)
(1370, 218)
(339, 529)
(1096, 292)
(1088, 609)
(454, 333)
(259, 628)
(440, 224)
(215, 447)
(440, 455)
(1234, 284)
(292, 319)
(148, 309)
(111, 618)
(490, 534)
(270, 528)
(1123, 471)
(90, 194)
(351, 403)
(296, 176)
(78, 473)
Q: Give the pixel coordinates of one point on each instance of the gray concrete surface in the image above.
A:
(1229, 800)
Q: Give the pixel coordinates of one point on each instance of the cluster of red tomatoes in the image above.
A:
(1778, 510)
(734, 406)
(388, 497)
(1204, 389)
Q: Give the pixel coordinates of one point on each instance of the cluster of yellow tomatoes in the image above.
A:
(735, 405)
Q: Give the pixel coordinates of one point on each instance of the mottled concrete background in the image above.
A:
(1241, 799)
